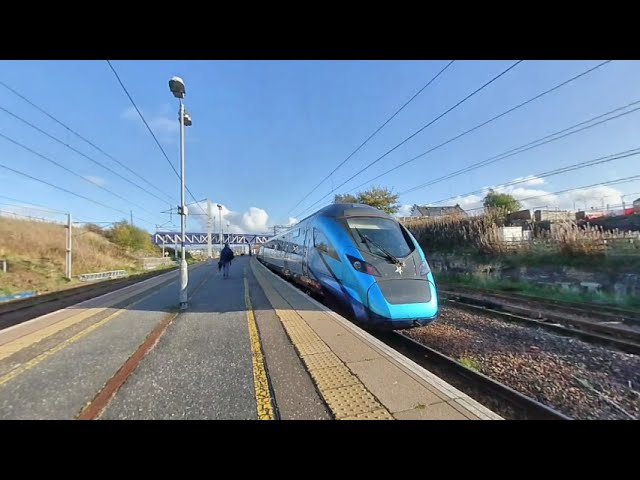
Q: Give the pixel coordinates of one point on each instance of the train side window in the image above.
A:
(321, 242)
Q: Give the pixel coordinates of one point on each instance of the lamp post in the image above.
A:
(176, 85)
(221, 232)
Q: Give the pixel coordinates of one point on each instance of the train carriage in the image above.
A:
(362, 258)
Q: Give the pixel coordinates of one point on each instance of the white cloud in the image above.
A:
(529, 180)
(97, 180)
(255, 220)
(162, 123)
(404, 211)
(292, 221)
(532, 198)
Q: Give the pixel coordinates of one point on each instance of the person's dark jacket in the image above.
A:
(226, 255)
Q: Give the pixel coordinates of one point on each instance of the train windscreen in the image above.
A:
(384, 235)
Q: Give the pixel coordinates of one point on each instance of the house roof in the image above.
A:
(438, 211)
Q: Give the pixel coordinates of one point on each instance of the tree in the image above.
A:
(378, 197)
(346, 198)
(504, 201)
(131, 237)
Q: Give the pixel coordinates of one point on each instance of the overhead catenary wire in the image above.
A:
(68, 170)
(529, 146)
(449, 110)
(374, 133)
(491, 120)
(72, 131)
(68, 191)
(124, 88)
(570, 168)
(9, 214)
(617, 181)
(27, 207)
(100, 164)
(32, 205)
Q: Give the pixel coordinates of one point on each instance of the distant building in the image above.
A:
(636, 205)
(431, 212)
(519, 215)
(553, 215)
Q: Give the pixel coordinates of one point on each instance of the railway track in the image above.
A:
(18, 311)
(502, 399)
(610, 326)
(604, 312)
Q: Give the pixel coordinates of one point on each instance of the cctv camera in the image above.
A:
(176, 85)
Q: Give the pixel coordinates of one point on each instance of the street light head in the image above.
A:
(176, 85)
(219, 206)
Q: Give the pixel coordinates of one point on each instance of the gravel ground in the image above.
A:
(581, 380)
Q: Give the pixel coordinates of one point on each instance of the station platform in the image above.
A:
(250, 346)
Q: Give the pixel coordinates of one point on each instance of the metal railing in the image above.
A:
(90, 277)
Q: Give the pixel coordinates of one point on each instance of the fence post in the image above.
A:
(69, 247)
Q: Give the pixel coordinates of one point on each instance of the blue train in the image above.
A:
(362, 258)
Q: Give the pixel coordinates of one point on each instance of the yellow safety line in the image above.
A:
(24, 341)
(344, 393)
(44, 355)
(263, 395)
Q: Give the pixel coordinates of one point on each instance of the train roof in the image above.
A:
(347, 210)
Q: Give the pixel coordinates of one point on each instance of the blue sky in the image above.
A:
(266, 132)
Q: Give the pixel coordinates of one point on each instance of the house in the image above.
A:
(431, 212)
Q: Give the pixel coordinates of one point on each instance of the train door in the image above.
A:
(286, 251)
(305, 254)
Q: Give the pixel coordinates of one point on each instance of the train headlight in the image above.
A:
(424, 268)
(362, 266)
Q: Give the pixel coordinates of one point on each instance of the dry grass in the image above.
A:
(35, 252)
(482, 233)
(457, 231)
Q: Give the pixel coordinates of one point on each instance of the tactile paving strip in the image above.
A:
(322, 360)
(333, 377)
(343, 392)
(312, 348)
(351, 401)
(375, 415)
(302, 334)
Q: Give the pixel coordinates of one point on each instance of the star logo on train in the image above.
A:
(399, 269)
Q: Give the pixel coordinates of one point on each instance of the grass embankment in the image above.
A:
(535, 290)
(35, 253)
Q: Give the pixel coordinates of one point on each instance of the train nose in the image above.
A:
(410, 301)
(400, 291)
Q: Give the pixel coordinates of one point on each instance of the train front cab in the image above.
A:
(375, 291)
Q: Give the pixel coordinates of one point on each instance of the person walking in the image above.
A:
(226, 255)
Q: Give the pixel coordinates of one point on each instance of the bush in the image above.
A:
(97, 229)
(130, 237)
